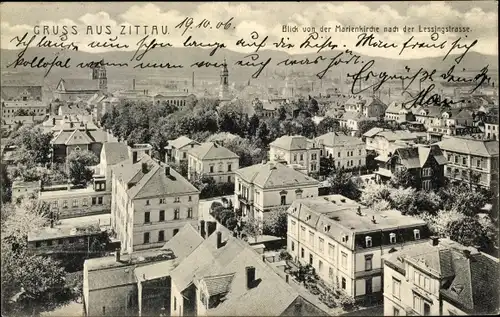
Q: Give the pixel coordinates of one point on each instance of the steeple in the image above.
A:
(224, 82)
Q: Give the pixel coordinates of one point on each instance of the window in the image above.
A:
(321, 243)
(456, 159)
(478, 163)
(175, 231)
(416, 234)
(94, 201)
(310, 259)
(368, 262)
(302, 233)
(162, 200)
(293, 246)
(368, 242)
(60, 241)
(147, 202)
(75, 203)
(313, 156)
(464, 161)
(146, 237)
(344, 283)
(176, 214)
(344, 260)
(175, 303)
(162, 215)
(211, 168)
(311, 239)
(359, 152)
(161, 236)
(190, 213)
(331, 251)
(84, 202)
(320, 266)
(301, 157)
(229, 179)
(177, 200)
(229, 167)
(426, 185)
(99, 200)
(395, 311)
(338, 154)
(302, 252)
(283, 200)
(190, 199)
(49, 242)
(184, 154)
(427, 171)
(147, 217)
(396, 286)
(392, 238)
(65, 204)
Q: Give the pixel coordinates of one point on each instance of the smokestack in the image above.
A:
(192, 82)
(167, 170)
(134, 157)
(117, 255)
(145, 168)
(202, 228)
(434, 241)
(133, 84)
(250, 271)
(287, 278)
(219, 239)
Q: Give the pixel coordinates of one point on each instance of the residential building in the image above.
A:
(346, 151)
(425, 163)
(346, 243)
(136, 284)
(212, 160)
(263, 187)
(22, 189)
(150, 202)
(69, 89)
(491, 128)
(29, 107)
(429, 116)
(113, 153)
(438, 133)
(68, 201)
(21, 94)
(382, 140)
(224, 276)
(440, 278)
(398, 112)
(371, 107)
(177, 150)
(471, 160)
(296, 149)
(351, 120)
(55, 123)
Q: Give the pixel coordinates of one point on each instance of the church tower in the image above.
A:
(102, 78)
(224, 82)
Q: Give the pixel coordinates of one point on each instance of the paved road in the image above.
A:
(372, 311)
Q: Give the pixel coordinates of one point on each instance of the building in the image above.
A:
(263, 187)
(382, 140)
(69, 89)
(150, 201)
(224, 93)
(491, 128)
(112, 154)
(399, 113)
(224, 276)
(474, 161)
(25, 189)
(346, 243)
(438, 133)
(296, 149)
(429, 116)
(440, 278)
(22, 97)
(351, 120)
(177, 149)
(136, 284)
(32, 108)
(67, 201)
(212, 160)
(425, 163)
(72, 110)
(346, 151)
(371, 107)
(76, 135)
(174, 98)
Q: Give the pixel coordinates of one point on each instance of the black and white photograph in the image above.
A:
(314, 158)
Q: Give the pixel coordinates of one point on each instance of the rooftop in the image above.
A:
(63, 231)
(115, 152)
(211, 151)
(293, 142)
(479, 147)
(333, 139)
(66, 193)
(273, 174)
(181, 142)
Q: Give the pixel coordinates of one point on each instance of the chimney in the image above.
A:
(219, 239)
(52, 223)
(71, 124)
(133, 84)
(373, 219)
(144, 168)
(117, 255)
(434, 241)
(53, 121)
(287, 278)
(211, 227)
(250, 270)
(359, 210)
(167, 170)
(134, 157)
(263, 258)
(466, 253)
(202, 228)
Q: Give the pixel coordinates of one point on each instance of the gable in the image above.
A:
(78, 137)
(60, 85)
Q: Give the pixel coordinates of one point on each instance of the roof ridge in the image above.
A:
(146, 179)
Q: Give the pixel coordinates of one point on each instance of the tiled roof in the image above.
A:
(416, 157)
(372, 132)
(357, 116)
(409, 157)
(115, 152)
(333, 139)
(392, 135)
(211, 151)
(66, 109)
(78, 137)
(292, 142)
(181, 142)
(184, 242)
(79, 84)
(216, 285)
(486, 148)
(153, 182)
(272, 174)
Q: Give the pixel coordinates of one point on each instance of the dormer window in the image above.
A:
(368, 242)
(345, 238)
(416, 234)
(392, 238)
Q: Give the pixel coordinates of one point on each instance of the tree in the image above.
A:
(469, 232)
(277, 222)
(341, 183)
(402, 178)
(326, 165)
(33, 146)
(403, 199)
(281, 113)
(312, 106)
(6, 184)
(374, 193)
(463, 199)
(78, 162)
(326, 125)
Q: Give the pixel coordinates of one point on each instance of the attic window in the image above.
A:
(368, 242)
(345, 238)
(416, 234)
(392, 238)
(327, 228)
(308, 217)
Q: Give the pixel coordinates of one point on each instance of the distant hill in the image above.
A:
(186, 56)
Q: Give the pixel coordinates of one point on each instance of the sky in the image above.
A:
(267, 18)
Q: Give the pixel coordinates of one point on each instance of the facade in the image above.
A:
(175, 98)
(69, 89)
(491, 128)
(382, 140)
(471, 160)
(212, 160)
(177, 150)
(347, 151)
(112, 154)
(346, 243)
(263, 187)
(31, 108)
(224, 276)
(23, 95)
(296, 149)
(150, 202)
(69, 201)
(24, 189)
(429, 116)
(399, 113)
(440, 278)
(370, 107)
(351, 120)
(425, 163)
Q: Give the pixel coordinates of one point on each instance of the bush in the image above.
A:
(285, 256)
(347, 302)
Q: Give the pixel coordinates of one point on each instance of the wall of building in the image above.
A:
(308, 158)
(450, 309)
(342, 155)
(83, 198)
(221, 172)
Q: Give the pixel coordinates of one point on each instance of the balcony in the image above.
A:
(384, 172)
(244, 199)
